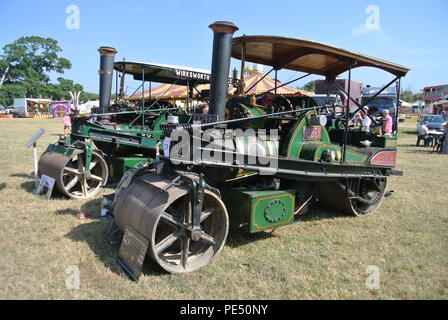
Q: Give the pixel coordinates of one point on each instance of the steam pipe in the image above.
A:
(107, 55)
(222, 46)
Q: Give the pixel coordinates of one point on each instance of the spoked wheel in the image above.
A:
(165, 218)
(75, 184)
(69, 175)
(369, 198)
(175, 250)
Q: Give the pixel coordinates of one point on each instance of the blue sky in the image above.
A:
(411, 33)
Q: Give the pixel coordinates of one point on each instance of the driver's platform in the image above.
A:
(355, 137)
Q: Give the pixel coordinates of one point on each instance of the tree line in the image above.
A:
(25, 66)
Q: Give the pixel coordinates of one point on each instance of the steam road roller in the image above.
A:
(258, 165)
(119, 135)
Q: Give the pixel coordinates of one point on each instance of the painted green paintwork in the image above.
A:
(260, 210)
(294, 139)
(119, 165)
(81, 129)
(313, 151)
(253, 112)
(298, 148)
(87, 148)
(66, 151)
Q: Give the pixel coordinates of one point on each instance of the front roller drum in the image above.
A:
(69, 176)
(165, 218)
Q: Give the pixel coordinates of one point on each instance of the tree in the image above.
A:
(11, 91)
(86, 96)
(418, 96)
(30, 60)
(309, 86)
(407, 96)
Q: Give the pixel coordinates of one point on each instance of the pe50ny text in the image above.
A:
(229, 309)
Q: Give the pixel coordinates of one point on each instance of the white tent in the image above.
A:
(87, 107)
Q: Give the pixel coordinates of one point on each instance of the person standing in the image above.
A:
(67, 123)
(366, 122)
(387, 124)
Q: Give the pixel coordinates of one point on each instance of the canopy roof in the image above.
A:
(163, 73)
(306, 56)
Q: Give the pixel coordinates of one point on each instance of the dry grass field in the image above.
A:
(322, 256)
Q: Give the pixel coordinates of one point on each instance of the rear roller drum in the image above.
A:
(167, 222)
(370, 195)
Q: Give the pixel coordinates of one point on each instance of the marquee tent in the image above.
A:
(255, 84)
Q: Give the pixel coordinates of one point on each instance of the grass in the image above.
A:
(322, 256)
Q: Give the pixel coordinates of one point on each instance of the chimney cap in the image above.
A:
(224, 27)
(107, 51)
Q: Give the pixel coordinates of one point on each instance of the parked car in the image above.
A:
(445, 117)
(434, 121)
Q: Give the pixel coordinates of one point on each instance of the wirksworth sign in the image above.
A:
(192, 74)
(198, 75)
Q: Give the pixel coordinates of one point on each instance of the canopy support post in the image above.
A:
(187, 105)
(122, 82)
(116, 85)
(275, 88)
(398, 84)
(347, 113)
(143, 97)
(243, 61)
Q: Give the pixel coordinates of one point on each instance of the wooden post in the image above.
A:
(36, 176)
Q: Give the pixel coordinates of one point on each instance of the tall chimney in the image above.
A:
(107, 55)
(222, 46)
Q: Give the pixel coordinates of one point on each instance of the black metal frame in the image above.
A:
(190, 86)
(332, 82)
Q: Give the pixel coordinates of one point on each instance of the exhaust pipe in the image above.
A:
(222, 46)
(107, 55)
